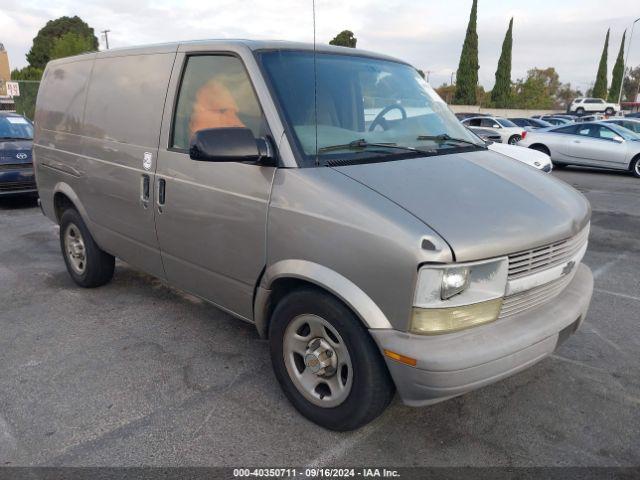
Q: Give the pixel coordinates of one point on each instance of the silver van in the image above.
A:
(328, 196)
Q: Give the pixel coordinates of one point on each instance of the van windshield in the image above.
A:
(366, 108)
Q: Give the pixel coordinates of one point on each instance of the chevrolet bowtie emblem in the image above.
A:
(568, 267)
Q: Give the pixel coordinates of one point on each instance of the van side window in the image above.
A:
(215, 93)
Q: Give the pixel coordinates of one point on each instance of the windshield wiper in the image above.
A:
(4, 139)
(446, 138)
(361, 143)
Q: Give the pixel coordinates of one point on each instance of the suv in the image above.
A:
(329, 197)
(580, 106)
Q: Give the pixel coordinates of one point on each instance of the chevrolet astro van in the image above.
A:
(327, 196)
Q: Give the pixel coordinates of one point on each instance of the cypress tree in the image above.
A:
(501, 93)
(600, 87)
(467, 75)
(618, 72)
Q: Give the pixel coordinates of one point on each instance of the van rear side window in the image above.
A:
(215, 93)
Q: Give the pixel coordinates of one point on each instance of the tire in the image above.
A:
(87, 264)
(609, 111)
(558, 166)
(361, 385)
(580, 111)
(514, 139)
(635, 167)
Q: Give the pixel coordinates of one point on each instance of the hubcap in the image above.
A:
(74, 248)
(638, 168)
(317, 361)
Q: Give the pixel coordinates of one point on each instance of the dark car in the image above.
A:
(531, 123)
(633, 115)
(463, 115)
(556, 120)
(16, 143)
(487, 134)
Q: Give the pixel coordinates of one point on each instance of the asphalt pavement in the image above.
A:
(137, 373)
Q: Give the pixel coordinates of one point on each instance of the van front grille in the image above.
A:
(522, 301)
(541, 258)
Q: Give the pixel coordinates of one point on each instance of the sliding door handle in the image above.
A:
(162, 185)
(145, 188)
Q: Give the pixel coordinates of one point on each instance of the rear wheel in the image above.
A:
(580, 111)
(609, 111)
(514, 139)
(326, 362)
(87, 264)
(635, 166)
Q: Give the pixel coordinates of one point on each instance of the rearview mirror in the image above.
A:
(235, 144)
(618, 139)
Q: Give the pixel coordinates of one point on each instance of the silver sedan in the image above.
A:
(593, 144)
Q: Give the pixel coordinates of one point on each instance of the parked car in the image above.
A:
(557, 120)
(16, 168)
(536, 159)
(633, 115)
(463, 115)
(628, 123)
(374, 254)
(509, 131)
(596, 144)
(530, 123)
(487, 134)
(590, 118)
(582, 106)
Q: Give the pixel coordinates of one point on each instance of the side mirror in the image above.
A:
(618, 139)
(234, 144)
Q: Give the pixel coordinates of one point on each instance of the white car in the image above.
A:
(534, 158)
(508, 131)
(580, 106)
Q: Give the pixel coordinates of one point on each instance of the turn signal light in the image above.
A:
(401, 358)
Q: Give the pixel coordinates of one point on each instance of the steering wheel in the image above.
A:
(380, 117)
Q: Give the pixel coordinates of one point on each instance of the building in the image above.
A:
(6, 103)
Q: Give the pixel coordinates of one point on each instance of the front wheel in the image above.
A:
(88, 265)
(514, 139)
(635, 167)
(326, 362)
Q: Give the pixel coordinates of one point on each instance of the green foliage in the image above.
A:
(542, 89)
(467, 75)
(618, 71)
(70, 44)
(344, 39)
(26, 102)
(44, 41)
(600, 87)
(631, 86)
(501, 93)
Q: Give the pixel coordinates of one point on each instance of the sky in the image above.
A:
(565, 34)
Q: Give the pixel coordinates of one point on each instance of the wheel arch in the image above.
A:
(286, 275)
(634, 159)
(542, 145)
(64, 197)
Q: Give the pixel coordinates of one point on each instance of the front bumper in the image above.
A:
(456, 363)
(17, 180)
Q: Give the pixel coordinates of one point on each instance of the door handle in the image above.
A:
(161, 193)
(145, 187)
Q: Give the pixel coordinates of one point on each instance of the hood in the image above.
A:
(482, 205)
(522, 154)
(12, 150)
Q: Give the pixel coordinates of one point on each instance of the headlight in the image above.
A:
(454, 297)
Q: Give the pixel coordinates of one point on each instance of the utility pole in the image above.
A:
(106, 37)
(624, 70)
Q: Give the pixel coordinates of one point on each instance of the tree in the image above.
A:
(70, 44)
(631, 87)
(44, 41)
(600, 87)
(565, 95)
(618, 72)
(344, 39)
(501, 93)
(26, 102)
(467, 74)
(538, 90)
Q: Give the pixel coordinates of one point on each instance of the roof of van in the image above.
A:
(221, 43)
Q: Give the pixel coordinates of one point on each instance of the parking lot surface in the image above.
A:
(137, 373)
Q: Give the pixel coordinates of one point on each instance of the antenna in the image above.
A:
(315, 80)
